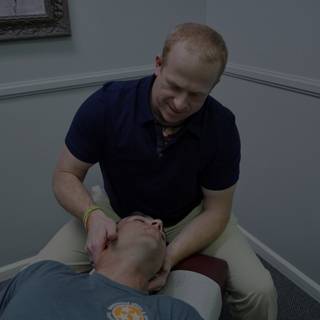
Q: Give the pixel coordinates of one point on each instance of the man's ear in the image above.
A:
(158, 65)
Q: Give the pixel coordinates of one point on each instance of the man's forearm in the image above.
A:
(197, 235)
(71, 193)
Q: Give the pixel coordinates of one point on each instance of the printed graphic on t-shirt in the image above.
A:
(126, 311)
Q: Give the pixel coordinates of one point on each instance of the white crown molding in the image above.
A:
(289, 82)
(283, 266)
(23, 88)
(293, 83)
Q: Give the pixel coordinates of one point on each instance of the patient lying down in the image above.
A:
(116, 290)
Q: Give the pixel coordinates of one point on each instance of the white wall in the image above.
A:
(272, 84)
(107, 36)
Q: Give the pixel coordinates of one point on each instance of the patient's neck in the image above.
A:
(127, 268)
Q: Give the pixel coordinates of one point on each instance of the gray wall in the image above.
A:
(278, 193)
(106, 35)
(277, 196)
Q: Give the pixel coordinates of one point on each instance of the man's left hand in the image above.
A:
(160, 279)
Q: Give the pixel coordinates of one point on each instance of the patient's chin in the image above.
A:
(150, 246)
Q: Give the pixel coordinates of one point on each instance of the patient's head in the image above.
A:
(141, 242)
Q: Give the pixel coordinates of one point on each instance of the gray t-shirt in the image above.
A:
(51, 290)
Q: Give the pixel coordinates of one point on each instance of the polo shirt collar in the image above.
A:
(195, 121)
(144, 95)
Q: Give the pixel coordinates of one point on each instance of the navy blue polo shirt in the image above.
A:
(116, 128)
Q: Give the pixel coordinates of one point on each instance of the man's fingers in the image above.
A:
(96, 252)
(95, 257)
(112, 236)
(101, 231)
(95, 247)
(156, 284)
(112, 231)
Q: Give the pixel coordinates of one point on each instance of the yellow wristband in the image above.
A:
(87, 213)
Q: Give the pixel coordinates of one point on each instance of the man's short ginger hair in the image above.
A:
(201, 40)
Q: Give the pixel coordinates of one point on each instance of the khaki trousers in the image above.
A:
(250, 290)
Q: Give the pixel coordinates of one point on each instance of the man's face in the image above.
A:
(181, 86)
(145, 232)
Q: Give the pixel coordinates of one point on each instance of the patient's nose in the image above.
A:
(158, 223)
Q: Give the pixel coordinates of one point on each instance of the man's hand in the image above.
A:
(160, 279)
(101, 230)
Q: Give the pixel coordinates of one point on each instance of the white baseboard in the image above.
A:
(297, 277)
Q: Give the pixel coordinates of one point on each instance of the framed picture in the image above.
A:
(31, 19)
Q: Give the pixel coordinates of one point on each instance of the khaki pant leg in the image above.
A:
(251, 292)
(67, 246)
(173, 231)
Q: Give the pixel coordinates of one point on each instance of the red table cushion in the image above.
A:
(214, 268)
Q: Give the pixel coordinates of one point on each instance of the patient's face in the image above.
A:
(144, 232)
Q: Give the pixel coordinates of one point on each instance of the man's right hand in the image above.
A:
(101, 230)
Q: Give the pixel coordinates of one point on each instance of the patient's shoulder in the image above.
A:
(46, 267)
(178, 309)
(34, 273)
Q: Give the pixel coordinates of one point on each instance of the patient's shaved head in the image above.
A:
(140, 238)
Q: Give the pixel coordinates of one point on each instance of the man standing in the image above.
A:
(168, 149)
